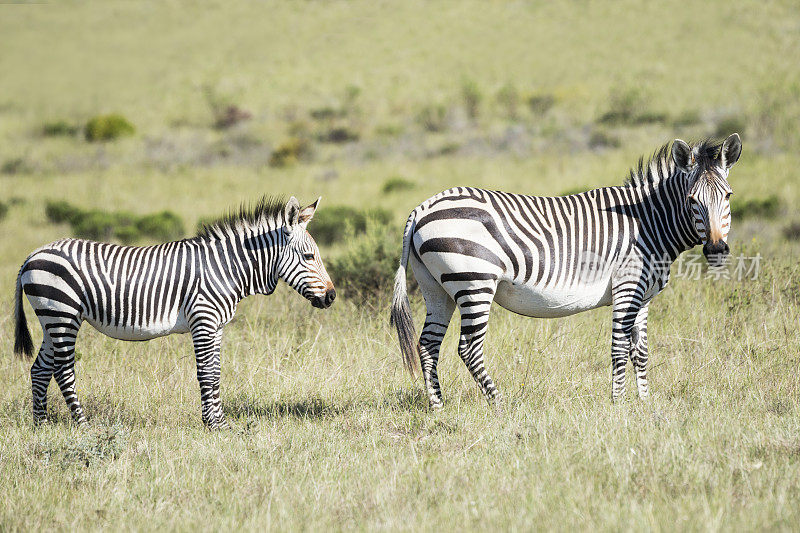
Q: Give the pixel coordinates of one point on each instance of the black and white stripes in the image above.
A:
(138, 293)
(556, 256)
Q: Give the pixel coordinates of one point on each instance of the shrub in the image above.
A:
(600, 138)
(768, 207)
(289, 152)
(163, 226)
(338, 134)
(366, 269)
(59, 128)
(225, 112)
(433, 118)
(688, 117)
(3, 210)
(471, 96)
(107, 128)
(791, 232)
(60, 212)
(540, 104)
(397, 183)
(120, 225)
(332, 224)
(630, 107)
(230, 116)
(16, 165)
(730, 124)
(508, 98)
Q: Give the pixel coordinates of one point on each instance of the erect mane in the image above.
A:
(267, 208)
(661, 166)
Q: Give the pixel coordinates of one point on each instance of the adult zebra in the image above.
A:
(139, 293)
(556, 256)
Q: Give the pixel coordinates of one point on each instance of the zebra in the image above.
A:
(188, 286)
(556, 256)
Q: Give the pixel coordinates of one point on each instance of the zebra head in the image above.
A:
(708, 194)
(300, 264)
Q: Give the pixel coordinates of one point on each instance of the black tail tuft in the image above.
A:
(23, 344)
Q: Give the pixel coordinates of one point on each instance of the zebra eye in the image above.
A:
(728, 196)
(308, 256)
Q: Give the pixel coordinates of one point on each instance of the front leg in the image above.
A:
(638, 352)
(207, 340)
(626, 307)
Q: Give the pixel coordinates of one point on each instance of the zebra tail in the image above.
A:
(23, 344)
(401, 308)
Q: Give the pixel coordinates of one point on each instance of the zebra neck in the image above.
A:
(240, 265)
(667, 222)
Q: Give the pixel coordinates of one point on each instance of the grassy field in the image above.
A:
(328, 430)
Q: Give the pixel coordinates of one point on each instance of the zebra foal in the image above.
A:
(556, 256)
(188, 286)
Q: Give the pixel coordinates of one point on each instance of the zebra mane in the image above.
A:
(661, 166)
(267, 208)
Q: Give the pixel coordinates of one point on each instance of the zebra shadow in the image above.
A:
(319, 408)
(316, 408)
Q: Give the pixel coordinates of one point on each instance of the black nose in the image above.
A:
(716, 252)
(330, 296)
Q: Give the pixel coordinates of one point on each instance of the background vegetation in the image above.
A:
(376, 106)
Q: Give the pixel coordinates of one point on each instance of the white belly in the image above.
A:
(539, 302)
(177, 324)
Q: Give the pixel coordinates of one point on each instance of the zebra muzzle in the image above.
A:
(325, 301)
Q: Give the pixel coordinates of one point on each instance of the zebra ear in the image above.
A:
(682, 155)
(307, 213)
(292, 211)
(731, 150)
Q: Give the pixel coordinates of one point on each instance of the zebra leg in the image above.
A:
(430, 340)
(41, 374)
(63, 341)
(623, 316)
(207, 341)
(440, 309)
(638, 352)
(474, 323)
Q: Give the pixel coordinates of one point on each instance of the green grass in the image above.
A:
(328, 431)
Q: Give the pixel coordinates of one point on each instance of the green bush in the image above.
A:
(120, 225)
(688, 117)
(791, 232)
(600, 138)
(471, 96)
(508, 98)
(629, 107)
(59, 128)
(333, 224)
(16, 165)
(107, 128)
(366, 269)
(433, 118)
(768, 207)
(540, 104)
(289, 152)
(730, 124)
(163, 226)
(339, 134)
(397, 183)
(3, 210)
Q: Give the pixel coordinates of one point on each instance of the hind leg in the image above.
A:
(474, 303)
(440, 309)
(41, 374)
(63, 338)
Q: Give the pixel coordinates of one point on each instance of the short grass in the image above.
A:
(328, 431)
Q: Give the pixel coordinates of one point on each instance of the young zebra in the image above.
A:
(139, 293)
(556, 256)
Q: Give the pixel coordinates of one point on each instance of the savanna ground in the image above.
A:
(339, 99)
